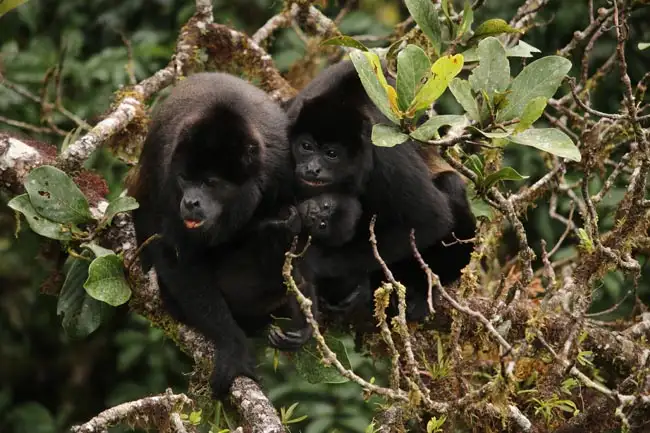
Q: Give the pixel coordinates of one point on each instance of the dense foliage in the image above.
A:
(50, 380)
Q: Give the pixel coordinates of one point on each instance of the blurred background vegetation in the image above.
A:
(49, 381)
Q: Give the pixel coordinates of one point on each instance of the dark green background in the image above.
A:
(47, 381)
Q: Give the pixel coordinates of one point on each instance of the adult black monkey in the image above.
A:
(331, 123)
(215, 165)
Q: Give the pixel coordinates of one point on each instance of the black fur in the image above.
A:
(214, 166)
(330, 219)
(334, 114)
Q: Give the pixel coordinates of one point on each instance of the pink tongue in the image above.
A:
(192, 224)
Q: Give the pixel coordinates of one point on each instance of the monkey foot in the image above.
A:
(289, 341)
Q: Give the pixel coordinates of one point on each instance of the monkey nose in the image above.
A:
(190, 204)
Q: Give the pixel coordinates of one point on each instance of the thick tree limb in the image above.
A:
(160, 411)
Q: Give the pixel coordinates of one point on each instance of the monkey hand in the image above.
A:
(292, 220)
(289, 341)
(228, 366)
(287, 221)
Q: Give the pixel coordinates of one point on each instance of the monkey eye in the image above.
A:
(307, 145)
(211, 181)
(331, 154)
(322, 225)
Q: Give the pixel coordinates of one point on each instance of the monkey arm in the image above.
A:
(298, 331)
(357, 256)
(203, 307)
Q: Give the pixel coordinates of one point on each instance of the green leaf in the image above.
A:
(345, 41)
(37, 223)
(412, 66)
(506, 173)
(56, 197)
(493, 134)
(522, 49)
(429, 129)
(493, 27)
(493, 72)
(468, 19)
(7, 5)
(540, 78)
(533, 111)
(97, 250)
(445, 7)
(549, 140)
(82, 314)
(442, 72)
(426, 16)
(309, 366)
(120, 204)
(480, 208)
(462, 91)
(106, 280)
(643, 45)
(372, 77)
(387, 136)
(474, 163)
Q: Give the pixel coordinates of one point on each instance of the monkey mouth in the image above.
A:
(193, 224)
(315, 182)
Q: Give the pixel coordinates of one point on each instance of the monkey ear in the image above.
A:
(286, 104)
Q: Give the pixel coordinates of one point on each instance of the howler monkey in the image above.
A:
(215, 165)
(330, 219)
(331, 121)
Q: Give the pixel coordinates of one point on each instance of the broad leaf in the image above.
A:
(7, 5)
(372, 77)
(493, 72)
(522, 49)
(532, 112)
(97, 250)
(56, 197)
(492, 27)
(345, 41)
(540, 78)
(506, 173)
(387, 136)
(426, 16)
(643, 45)
(442, 72)
(120, 204)
(106, 280)
(412, 66)
(37, 223)
(462, 91)
(309, 366)
(494, 134)
(81, 314)
(429, 129)
(549, 140)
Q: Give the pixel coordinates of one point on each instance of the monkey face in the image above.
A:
(330, 219)
(202, 201)
(320, 167)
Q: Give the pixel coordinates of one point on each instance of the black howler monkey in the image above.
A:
(215, 165)
(331, 123)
